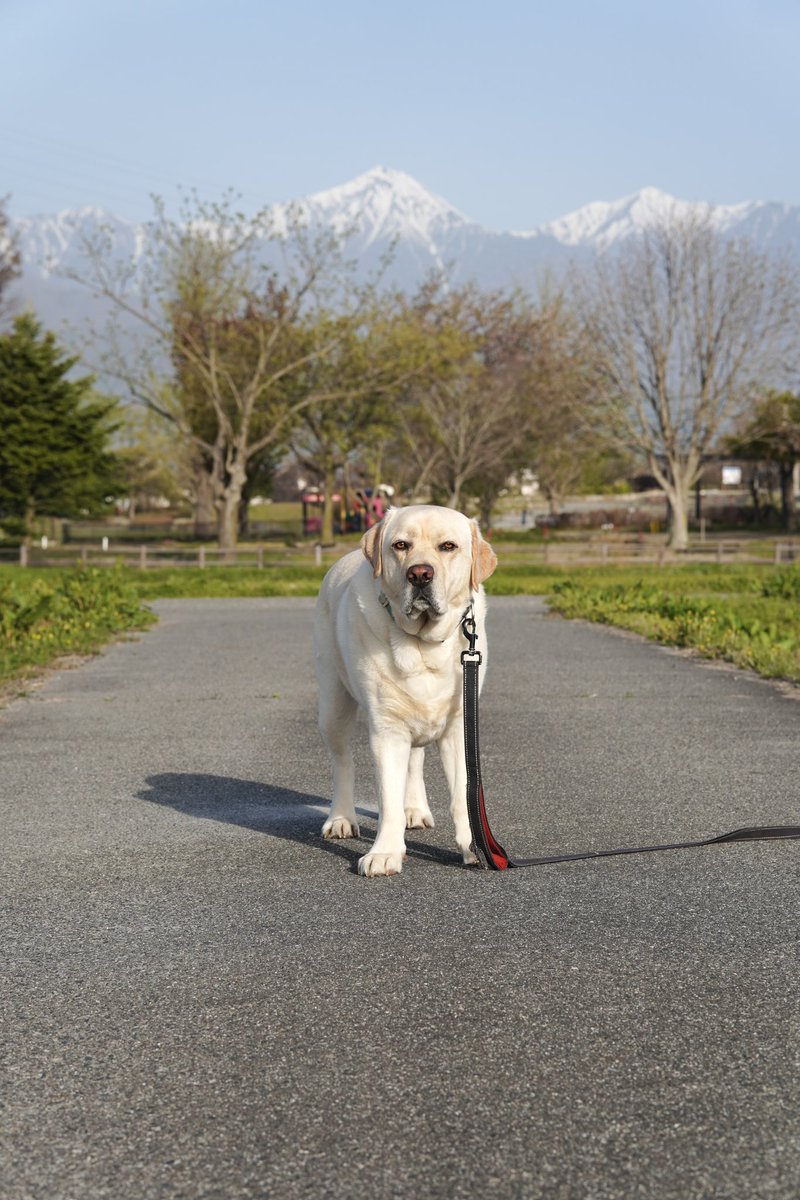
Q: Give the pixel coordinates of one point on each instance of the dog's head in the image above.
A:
(429, 560)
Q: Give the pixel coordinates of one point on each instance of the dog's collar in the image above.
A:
(383, 600)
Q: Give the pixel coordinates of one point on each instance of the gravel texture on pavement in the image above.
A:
(202, 999)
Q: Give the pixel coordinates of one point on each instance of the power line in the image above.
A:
(37, 159)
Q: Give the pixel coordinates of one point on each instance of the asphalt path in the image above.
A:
(202, 999)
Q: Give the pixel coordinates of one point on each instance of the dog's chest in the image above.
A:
(424, 694)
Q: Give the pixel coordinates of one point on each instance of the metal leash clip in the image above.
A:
(470, 631)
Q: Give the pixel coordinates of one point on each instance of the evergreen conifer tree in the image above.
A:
(54, 432)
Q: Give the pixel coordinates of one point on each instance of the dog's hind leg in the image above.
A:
(337, 715)
(417, 810)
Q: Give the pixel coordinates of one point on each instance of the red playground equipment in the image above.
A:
(367, 507)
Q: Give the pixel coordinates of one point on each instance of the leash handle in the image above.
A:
(485, 846)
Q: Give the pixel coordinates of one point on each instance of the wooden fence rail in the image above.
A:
(555, 553)
(143, 556)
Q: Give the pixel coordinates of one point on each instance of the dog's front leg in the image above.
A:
(391, 750)
(418, 813)
(451, 750)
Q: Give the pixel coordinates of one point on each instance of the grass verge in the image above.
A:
(748, 614)
(45, 615)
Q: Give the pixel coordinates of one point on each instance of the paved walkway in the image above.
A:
(203, 1000)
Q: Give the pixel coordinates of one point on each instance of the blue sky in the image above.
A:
(515, 112)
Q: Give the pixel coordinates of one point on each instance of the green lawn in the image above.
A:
(748, 614)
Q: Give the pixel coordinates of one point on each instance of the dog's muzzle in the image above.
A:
(421, 598)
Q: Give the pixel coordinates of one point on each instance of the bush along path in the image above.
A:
(749, 615)
(46, 616)
(755, 626)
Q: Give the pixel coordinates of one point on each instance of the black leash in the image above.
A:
(485, 846)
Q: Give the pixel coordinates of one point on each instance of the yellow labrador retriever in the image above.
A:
(388, 638)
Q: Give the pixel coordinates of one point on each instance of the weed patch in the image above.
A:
(746, 613)
(45, 616)
(755, 628)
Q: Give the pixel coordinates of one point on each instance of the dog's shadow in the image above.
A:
(273, 810)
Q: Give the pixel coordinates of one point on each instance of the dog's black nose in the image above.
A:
(420, 575)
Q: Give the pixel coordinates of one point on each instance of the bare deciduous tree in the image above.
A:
(462, 425)
(686, 327)
(224, 333)
(356, 389)
(563, 431)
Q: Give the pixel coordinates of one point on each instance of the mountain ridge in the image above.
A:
(386, 206)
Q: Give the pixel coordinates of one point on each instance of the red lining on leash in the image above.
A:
(485, 846)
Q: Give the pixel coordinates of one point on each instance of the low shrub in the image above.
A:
(784, 582)
(761, 631)
(64, 613)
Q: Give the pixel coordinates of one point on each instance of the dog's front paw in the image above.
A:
(340, 827)
(380, 864)
(419, 818)
(468, 856)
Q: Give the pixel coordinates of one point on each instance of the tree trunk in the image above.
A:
(328, 486)
(454, 499)
(679, 517)
(244, 508)
(244, 516)
(228, 509)
(346, 494)
(755, 495)
(205, 515)
(787, 496)
(228, 524)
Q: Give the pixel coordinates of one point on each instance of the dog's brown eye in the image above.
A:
(448, 546)
(400, 545)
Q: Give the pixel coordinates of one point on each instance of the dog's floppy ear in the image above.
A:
(484, 559)
(371, 544)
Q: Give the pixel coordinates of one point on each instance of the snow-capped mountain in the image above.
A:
(53, 245)
(385, 206)
(602, 224)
